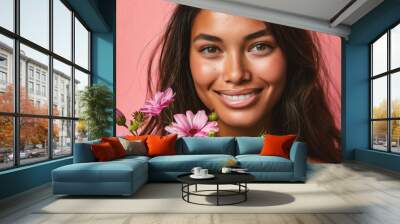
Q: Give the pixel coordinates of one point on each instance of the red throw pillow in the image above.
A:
(277, 145)
(161, 145)
(103, 152)
(116, 145)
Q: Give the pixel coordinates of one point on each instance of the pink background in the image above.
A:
(139, 25)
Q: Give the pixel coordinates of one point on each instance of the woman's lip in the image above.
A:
(233, 92)
(238, 101)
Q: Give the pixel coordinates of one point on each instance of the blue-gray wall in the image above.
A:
(99, 15)
(355, 95)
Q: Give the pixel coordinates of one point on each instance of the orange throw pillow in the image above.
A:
(136, 137)
(103, 152)
(161, 145)
(277, 145)
(116, 145)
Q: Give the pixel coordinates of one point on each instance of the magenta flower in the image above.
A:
(161, 100)
(120, 118)
(192, 125)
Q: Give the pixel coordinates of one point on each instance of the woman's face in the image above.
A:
(238, 69)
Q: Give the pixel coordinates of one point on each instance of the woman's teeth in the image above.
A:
(237, 97)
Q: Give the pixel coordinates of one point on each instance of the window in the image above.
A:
(385, 91)
(7, 76)
(43, 90)
(7, 14)
(30, 72)
(49, 113)
(3, 72)
(3, 61)
(38, 89)
(30, 87)
(3, 78)
(37, 74)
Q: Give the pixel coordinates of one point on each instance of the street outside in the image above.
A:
(32, 156)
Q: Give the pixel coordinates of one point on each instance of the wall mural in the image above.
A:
(197, 72)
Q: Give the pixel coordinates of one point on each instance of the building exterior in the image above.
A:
(34, 79)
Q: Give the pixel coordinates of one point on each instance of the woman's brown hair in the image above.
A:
(303, 107)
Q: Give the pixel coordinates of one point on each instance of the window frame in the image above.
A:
(16, 114)
(388, 74)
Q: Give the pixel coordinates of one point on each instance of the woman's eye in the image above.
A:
(209, 50)
(261, 48)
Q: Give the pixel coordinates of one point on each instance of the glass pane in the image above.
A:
(379, 97)
(62, 29)
(35, 21)
(62, 89)
(81, 131)
(62, 138)
(7, 14)
(33, 140)
(395, 47)
(6, 74)
(81, 45)
(379, 135)
(395, 94)
(395, 136)
(34, 97)
(81, 81)
(379, 55)
(6, 142)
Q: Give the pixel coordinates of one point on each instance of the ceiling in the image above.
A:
(329, 16)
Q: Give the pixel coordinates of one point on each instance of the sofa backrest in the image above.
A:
(249, 145)
(83, 152)
(204, 145)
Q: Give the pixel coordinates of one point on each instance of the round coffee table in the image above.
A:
(238, 179)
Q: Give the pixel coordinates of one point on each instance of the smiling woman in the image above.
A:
(239, 73)
(257, 76)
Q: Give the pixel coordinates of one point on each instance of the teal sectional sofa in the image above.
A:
(125, 176)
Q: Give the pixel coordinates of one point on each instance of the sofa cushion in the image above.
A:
(257, 163)
(249, 145)
(206, 145)
(116, 145)
(136, 137)
(277, 145)
(161, 145)
(134, 147)
(133, 158)
(103, 152)
(185, 163)
(111, 171)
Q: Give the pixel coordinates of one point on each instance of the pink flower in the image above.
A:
(192, 125)
(161, 100)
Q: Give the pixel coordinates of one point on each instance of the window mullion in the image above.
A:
(16, 84)
(73, 82)
(389, 112)
(50, 79)
(371, 89)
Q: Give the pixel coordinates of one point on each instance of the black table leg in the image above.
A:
(188, 190)
(245, 193)
(196, 188)
(217, 194)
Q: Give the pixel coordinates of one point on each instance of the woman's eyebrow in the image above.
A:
(207, 37)
(260, 33)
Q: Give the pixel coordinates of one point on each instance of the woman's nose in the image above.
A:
(235, 69)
